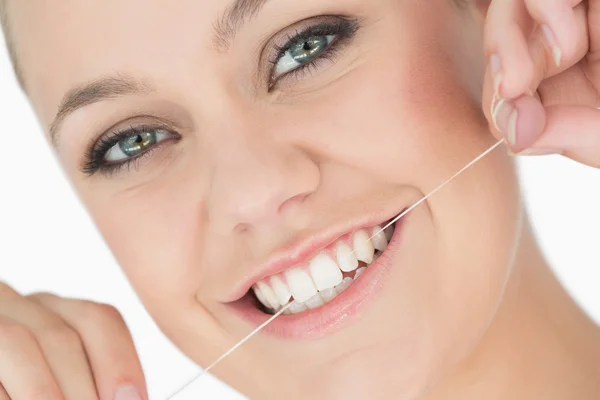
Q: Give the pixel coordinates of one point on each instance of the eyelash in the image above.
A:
(342, 27)
(96, 153)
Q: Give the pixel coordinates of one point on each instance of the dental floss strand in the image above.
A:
(228, 352)
(278, 313)
(434, 191)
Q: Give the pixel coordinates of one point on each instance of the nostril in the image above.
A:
(241, 228)
(298, 199)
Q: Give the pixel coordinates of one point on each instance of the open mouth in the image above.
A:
(324, 277)
(325, 281)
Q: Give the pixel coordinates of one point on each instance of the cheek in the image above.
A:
(157, 236)
(476, 218)
(477, 221)
(400, 114)
(153, 233)
(402, 119)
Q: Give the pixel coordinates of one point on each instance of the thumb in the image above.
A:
(572, 131)
(521, 121)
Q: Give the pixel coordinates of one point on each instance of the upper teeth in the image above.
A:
(345, 258)
(379, 239)
(321, 280)
(325, 272)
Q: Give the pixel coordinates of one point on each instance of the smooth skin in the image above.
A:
(55, 348)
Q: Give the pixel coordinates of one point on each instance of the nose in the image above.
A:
(256, 184)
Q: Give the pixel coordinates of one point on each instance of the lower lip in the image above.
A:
(333, 316)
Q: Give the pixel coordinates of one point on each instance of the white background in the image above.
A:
(47, 242)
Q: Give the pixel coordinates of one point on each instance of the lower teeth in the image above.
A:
(325, 296)
(320, 299)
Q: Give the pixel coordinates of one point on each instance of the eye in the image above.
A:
(313, 40)
(117, 149)
(301, 53)
(135, 144)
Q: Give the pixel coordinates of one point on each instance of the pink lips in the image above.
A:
(297, 253)
(318, 322)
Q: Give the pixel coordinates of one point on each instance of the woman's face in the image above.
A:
(219, 143)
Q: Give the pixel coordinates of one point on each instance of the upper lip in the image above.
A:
(303, 250)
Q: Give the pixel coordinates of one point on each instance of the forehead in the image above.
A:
(61, 44)
(68, 42)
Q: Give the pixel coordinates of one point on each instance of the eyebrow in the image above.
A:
(236, 15)
(225, 29)
(98, 90)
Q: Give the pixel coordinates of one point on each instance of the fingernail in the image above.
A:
(553, 44)
(496, 71)
(504, 117)
(538, 152)
(128, 393)
(496, 103)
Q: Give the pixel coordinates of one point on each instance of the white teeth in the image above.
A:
(260, 295)
(328, 294)
(295, 308)
(345, 257)
(379, 240)
(344, 285)
(359, 272)
(389, 232)
(300, 283)
(281, 290)
(314, 302)
(313, 285)
(363, 246)
(325, 272)
(268, 295)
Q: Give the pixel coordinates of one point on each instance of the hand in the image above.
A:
(543, 79)
(59, 349)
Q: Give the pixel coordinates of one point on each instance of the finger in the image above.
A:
(571, 87)
(60, 345)
(7, 291)
(530, 40)
(109, 346)
(572, 131)
(558, 25)
(578, 46)
(520, 121)
(558, 82)
(507, 26)
(24, 372)
(594, 11)
(3, 394)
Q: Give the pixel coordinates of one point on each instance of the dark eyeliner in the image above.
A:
(94, 158)
(342, 27)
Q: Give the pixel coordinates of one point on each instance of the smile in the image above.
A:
(327, 275)
(323, 283)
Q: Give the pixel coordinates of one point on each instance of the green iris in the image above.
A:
(309, 49)
(136, 144)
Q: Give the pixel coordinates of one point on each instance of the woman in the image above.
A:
(233, 152)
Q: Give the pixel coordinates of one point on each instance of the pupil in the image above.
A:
(304, 52)
(137, 144)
